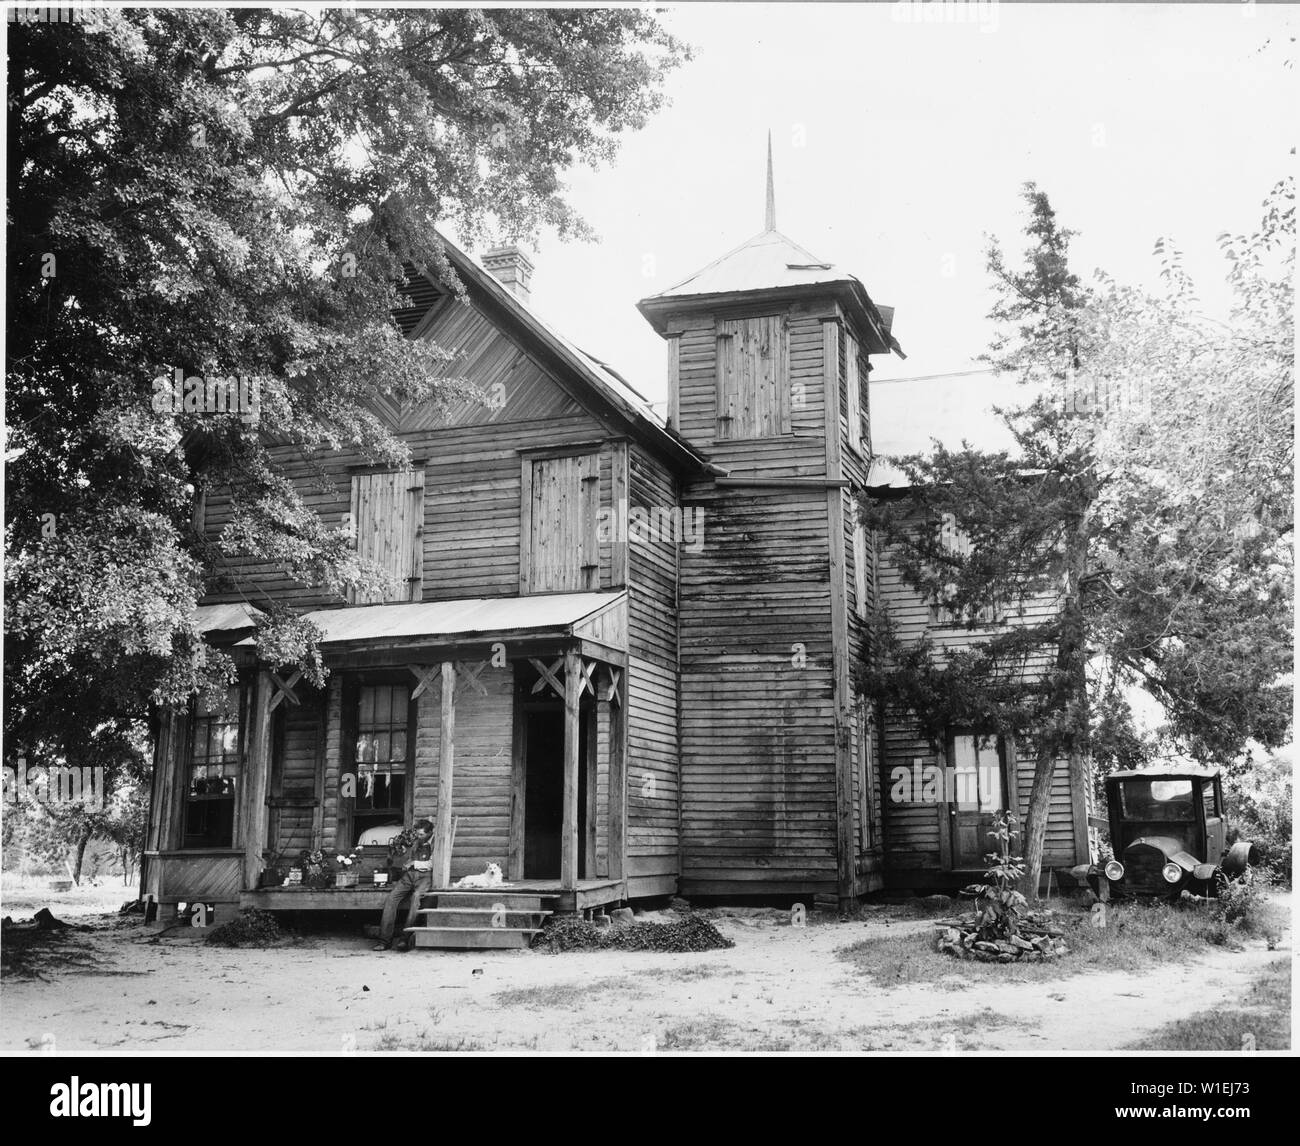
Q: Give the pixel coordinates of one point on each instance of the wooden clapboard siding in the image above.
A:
(651, 691)
(515, 387)
(333, 756)
(913, 831)
(481, 768)
(296, 773)
(471, 538)
(757, 731)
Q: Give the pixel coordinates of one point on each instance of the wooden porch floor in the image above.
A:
(588, 894)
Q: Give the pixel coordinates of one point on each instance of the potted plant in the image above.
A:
(345, 869)
(315, 868)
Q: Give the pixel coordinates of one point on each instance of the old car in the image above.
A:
(1167, 832)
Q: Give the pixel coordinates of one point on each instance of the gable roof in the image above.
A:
(600, 388)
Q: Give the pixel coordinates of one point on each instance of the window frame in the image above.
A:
(197, 719)
(942, 615)
(350, 726)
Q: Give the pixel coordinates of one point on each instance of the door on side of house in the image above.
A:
(544, 792)
(977, 791)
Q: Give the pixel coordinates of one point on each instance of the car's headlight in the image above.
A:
(1114, 870)
(1172, 873)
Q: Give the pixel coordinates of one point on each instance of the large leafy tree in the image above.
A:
(1138, 536)
(239, 193)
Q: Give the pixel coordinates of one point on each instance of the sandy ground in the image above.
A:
(779, 988)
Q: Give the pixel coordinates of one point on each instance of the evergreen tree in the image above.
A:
(1137, 535)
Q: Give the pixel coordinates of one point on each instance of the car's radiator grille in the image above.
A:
(1142, 866)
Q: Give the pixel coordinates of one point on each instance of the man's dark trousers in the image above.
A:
(412, 885)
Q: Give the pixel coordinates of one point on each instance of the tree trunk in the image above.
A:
(1040, 802)
(81, 855)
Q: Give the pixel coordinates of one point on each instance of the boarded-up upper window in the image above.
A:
(853, 383)
(753, 377)
(388, 516)
(860, 568)
(561, 538)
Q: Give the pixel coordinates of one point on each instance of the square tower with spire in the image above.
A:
(769, 350)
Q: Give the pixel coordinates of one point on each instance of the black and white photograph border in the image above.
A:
(716, 529)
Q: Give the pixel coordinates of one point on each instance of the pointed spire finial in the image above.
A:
(770, 219)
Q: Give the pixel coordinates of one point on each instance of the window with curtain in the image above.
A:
(214, 768)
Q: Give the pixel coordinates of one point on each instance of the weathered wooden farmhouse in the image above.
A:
(616, 658)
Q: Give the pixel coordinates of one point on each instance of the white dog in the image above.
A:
(492, 877)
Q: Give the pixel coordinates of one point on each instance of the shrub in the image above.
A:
(1245, 904)
(1259, 810)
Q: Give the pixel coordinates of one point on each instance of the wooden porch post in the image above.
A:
(569, 830)
(446, 761)
(617, 779)
(591, 767)
(257, 779)
(518, 788)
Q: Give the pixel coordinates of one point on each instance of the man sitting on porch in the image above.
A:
(410, 853)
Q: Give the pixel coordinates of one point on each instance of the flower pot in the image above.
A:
(345, 879)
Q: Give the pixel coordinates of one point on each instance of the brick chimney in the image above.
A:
(511, 268)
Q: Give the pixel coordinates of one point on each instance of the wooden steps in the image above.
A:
(460, 920)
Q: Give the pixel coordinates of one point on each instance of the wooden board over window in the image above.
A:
(388, 515)
(753, 385)
(561, 539)
(853, 385)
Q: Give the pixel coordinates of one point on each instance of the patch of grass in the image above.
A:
(1263, 1019)
(564, 996)
(684, 974)
(426, 1045)
(712, 1033)
(1138, 935)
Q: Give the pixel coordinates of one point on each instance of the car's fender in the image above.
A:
(1242, 854)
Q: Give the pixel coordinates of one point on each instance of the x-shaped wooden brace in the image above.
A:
(613, 684)
(548, 675)
(587, 669)
(424, 677)
(469, 677)
(284, 688)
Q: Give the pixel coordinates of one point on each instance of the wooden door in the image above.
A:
(977, 791)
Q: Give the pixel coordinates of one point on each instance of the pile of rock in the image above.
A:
(1037, 941)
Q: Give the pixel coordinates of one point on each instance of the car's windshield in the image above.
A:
(1157, 800)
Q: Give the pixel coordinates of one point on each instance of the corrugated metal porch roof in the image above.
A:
(226, 618)
(469, 617)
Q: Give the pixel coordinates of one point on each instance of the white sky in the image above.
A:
(899, 144)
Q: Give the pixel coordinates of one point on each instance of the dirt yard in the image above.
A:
(121, 987)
